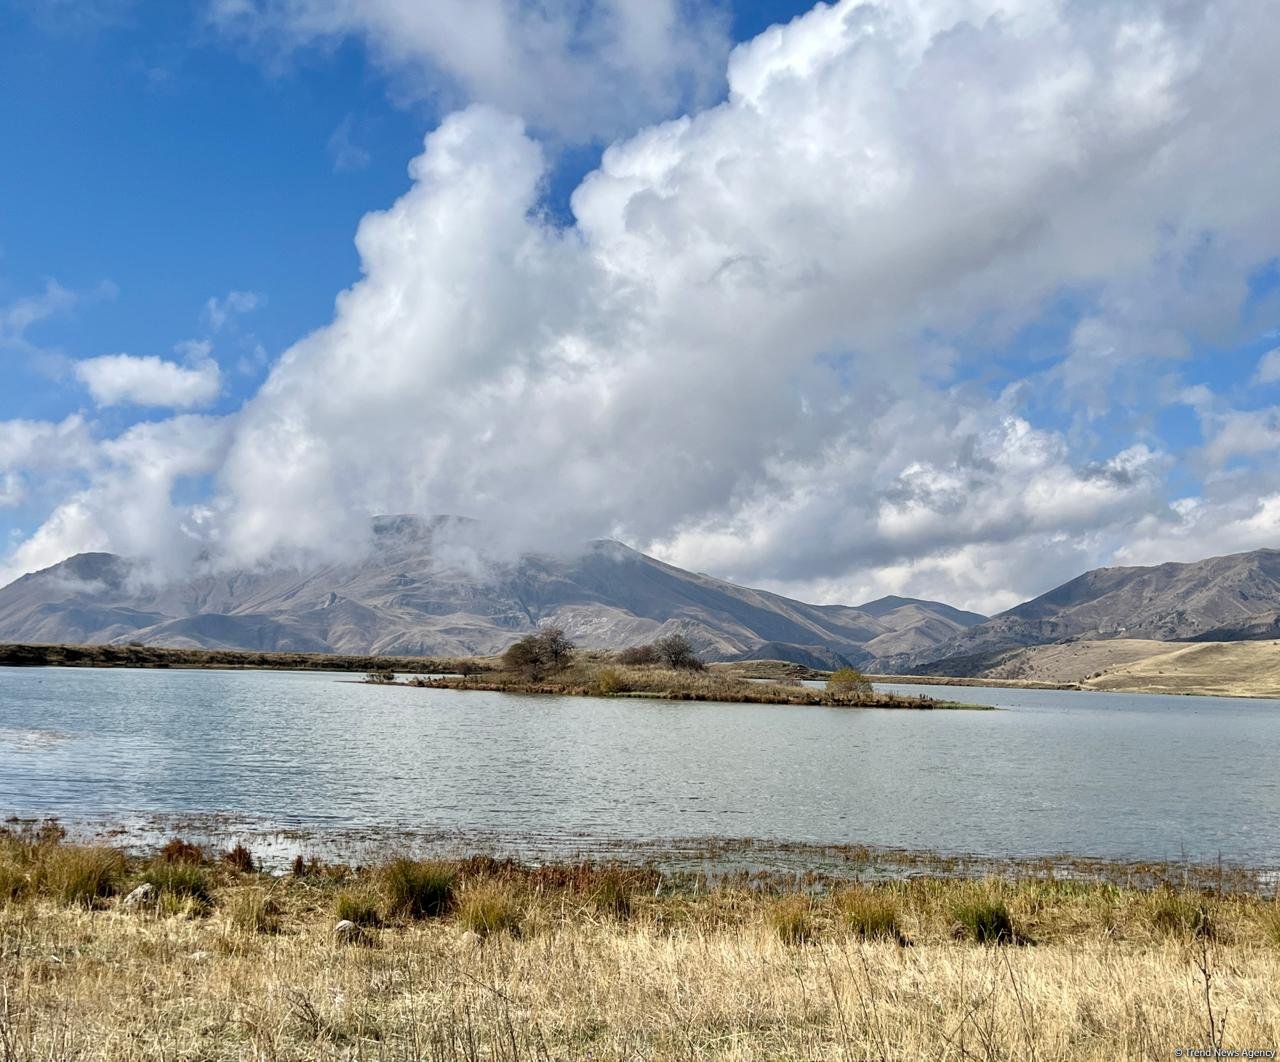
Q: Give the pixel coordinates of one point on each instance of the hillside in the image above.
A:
(1220, 599)
(417, 593)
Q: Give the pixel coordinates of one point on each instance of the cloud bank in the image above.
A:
(770, 345)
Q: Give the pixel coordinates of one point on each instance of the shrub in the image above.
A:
(849, 682)
(255, 911)
(676, 651)
(381, 677)
(984, 922)
(80, 875)
(489, 907)
(357, 906)
(536, 654)
(792, 919)
(869, 915)
(417, 889)
(241, 858)
(177, 850)
(1175, 915)
(638, 656)
(608, 681)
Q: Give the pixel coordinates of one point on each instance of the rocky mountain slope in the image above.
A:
(1220, 599)
(413, 596)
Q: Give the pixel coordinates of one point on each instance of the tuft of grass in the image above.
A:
(182, 886)
(792, 919)
(612, 892)
(14, 883)
(489, 907)
(608, 681)
(255, 911)
(985, 921)
(1270, 920)
(79, 875)
(176, 850)
(241, 859)
(358, 907)
(1176, 915)
(417, 889)
(869, 914)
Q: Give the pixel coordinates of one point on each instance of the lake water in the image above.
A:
(1090, 774)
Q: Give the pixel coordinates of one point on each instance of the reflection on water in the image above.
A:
(1104, 775)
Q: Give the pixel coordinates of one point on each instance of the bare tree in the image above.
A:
(675, 650)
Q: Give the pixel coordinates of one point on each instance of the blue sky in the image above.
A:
(184, 180)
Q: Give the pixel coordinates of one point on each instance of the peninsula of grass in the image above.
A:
(193, 954)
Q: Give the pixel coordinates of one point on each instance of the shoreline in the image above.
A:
(708, 857)
(198, 953)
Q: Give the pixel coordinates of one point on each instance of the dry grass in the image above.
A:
(590, 677)
(547, 962)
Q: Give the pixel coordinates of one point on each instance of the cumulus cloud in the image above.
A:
(578, 68)
(766, 347)
(120, 379)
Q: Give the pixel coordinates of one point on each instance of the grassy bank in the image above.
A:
(597, 675)
(151, 656)
(481, 959)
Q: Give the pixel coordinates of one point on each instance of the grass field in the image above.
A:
(485, 960)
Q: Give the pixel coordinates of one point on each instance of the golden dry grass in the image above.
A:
(1228, 669)
(548, 962)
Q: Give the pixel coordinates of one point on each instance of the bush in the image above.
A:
(638, 656)
(241, 859)
(177, 850)
(608, 681)
(381, 677)
(870, 916)
(676, 651)
(488, 908)
(255, 911)
(1175, 915)
(849, 682)
(417, 889)
(612, 891)
(83, 876)
(358, 907)
(792, 919)
(536, 654)
(984, 922)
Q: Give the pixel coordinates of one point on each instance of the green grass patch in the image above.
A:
(418, 889)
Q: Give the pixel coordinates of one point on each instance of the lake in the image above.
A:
(1090, 774)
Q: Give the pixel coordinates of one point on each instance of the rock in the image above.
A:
(347, 932)
(142, 896)
(470, 939)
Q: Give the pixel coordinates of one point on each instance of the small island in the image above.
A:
(668, 669)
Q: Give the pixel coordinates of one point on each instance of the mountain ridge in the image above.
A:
(417, 593)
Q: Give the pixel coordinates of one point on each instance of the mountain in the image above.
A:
(1220, 599)
(417, 593)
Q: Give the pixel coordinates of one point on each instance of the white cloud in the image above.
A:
(579, 68)
(1268, 368)
(120, 379)
(219, 312)
(344, 152)
(763, 348)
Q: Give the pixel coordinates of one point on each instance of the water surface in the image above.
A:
(1090, 774)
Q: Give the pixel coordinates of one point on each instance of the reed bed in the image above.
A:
(487, 959)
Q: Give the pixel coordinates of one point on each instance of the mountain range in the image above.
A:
(416, 593)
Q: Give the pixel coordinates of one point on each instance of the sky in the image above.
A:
(947, 298)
